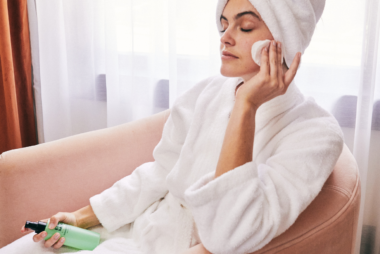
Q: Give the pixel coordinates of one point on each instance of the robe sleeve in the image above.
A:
(245, 208)
(123, 202)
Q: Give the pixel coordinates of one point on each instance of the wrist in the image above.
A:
(85, 217)
(245, 105)
(78, 218)
(243, 113)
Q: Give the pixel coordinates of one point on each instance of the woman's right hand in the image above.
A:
(270, 81)
(67, 218)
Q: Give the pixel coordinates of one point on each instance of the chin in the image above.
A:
(229, 72)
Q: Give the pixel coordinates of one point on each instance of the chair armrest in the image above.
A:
(39, 181)
(197, 249)
(329, 224)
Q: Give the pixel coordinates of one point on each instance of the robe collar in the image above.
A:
(273, 107)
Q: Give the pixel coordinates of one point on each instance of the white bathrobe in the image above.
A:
(296, 146)
(173, 202)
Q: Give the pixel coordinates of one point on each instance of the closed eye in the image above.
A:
(246, 31)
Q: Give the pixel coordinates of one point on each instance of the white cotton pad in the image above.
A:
(256, 51)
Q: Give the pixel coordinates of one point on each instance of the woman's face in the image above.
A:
(241, 31)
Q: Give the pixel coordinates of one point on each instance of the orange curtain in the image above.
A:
(17, 121)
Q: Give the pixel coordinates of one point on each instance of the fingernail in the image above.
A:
(44, 234)
(62, 240)
(274, 43)
(51, 226)
(56, 236)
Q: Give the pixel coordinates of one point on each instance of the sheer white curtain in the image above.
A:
(98, 63)
(103, 63)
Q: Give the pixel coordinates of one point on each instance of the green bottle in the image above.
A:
(75, 237)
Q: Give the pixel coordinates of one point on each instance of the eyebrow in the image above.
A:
(241, 14)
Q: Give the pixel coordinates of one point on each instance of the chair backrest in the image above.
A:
(329, 224)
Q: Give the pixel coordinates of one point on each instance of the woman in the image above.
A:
(241, 155)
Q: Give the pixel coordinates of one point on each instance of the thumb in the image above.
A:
(55, 219)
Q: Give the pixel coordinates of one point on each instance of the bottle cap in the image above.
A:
(38, 227)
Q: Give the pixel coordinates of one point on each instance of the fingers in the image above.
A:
(273, 60)
(40, 236)
(24, 230)
(264, 60)
(55, 240)
(291, 73)
(55, 219)
(52, 240)
(280, 70)
(59, 243)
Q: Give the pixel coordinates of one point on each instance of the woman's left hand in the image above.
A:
(270, 81)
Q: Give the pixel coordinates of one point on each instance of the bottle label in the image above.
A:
(63, 230)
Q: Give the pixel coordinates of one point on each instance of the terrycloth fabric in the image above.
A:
(292, 22)
(296, 146)
(257, 48)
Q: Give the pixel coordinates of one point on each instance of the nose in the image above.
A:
(227, 37)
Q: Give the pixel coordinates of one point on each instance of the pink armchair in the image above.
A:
(78, 167)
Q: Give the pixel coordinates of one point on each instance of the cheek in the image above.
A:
(246, 50)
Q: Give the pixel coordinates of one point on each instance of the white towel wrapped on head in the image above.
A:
(292, 22)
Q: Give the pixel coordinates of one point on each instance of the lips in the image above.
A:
(226, 53)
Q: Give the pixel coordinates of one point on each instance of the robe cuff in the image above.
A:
(107, 220)
(208, 189)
